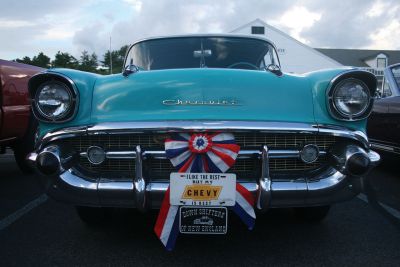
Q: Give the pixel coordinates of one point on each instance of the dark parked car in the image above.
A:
(17, 126)
(384, 123)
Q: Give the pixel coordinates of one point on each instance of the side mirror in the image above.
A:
(130, 69)
(275, 69)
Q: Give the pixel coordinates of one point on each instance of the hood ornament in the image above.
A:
(179, 102)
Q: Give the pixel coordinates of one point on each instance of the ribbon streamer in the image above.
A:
(197, 153)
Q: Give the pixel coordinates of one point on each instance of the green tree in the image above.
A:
(117, 57)
(88, 62)
(41, 60)
(64, 60)
(25, 60)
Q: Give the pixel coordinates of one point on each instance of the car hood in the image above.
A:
(194, 94)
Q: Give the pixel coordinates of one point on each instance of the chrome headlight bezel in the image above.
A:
(68, 86)
(339, 114)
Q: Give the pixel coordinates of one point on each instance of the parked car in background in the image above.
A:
(189, 108)
(17, 126)
(384, 122)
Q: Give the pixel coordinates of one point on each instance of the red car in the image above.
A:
(17, 126)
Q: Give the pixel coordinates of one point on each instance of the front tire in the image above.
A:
(312, 214)
(93, 216)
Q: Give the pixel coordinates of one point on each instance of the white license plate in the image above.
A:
(202, 189)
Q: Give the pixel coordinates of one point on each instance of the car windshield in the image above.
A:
(396, 75)
(202, 52)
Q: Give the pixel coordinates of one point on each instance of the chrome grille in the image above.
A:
(160, 168)
(294, 164)
(126, 141)
(115, 167)
(244, 165)
(283, 140)
(117, 141)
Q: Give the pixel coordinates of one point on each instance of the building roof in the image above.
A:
(266, 25)
(357, 57)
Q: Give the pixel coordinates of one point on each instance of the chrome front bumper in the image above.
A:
(332, 185)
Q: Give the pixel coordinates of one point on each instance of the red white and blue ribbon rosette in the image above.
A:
(202, 152)
(196, 153)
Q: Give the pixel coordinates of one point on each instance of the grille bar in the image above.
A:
(244, 140)
(161, 154)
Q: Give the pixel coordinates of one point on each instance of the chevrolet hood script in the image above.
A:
(176, 102)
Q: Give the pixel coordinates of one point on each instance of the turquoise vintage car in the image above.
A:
(104, 141)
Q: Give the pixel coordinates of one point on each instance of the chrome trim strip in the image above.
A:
(64, 133)
(382, 147)
(386, 148)
(179, 126)
(274, 154)
(110, 185)
(121, 154)
(73, 180)
(6, 140)
(345, 133)
(200, 125)
(264, 189)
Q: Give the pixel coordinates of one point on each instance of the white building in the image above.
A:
(374, 61)
(294, 56)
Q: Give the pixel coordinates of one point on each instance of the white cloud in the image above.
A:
(296, 20)
(56, 33)
(136, 4)
(387, 37)
(15, 23)
(345, 24)
(377, 9)
(75, 25)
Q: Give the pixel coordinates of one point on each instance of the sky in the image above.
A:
(28, 27)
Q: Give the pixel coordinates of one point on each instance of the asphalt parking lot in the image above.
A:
(37, 231)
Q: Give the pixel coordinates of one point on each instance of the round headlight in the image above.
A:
(54, 100)
(351, 98)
